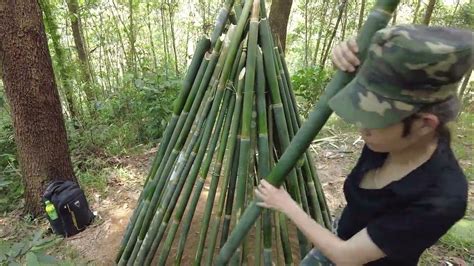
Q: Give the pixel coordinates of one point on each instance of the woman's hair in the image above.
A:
(446, 111)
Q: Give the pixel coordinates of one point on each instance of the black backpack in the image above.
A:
(71, 207)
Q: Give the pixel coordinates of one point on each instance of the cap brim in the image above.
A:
(367, 109)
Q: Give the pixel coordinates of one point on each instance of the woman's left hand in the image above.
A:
(272, 197)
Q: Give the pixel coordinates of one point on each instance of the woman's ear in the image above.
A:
(430, 123)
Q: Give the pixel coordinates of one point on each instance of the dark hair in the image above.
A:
(446, 111)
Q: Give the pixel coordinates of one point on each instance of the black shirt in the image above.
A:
(409, 215)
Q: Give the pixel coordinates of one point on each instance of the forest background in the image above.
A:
(118, 66)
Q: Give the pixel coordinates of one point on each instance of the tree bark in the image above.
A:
(429, 12)
(31, 91)
(278, 19)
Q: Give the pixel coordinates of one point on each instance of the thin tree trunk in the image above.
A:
(429, 12)
(173, 38)
(320, 31)
(306, 37)
(454, 13)
(344, 21)
(361, 15)
(278, 18)
(165, 38)
(65, 76)
(81, 49)
(328, 47)
(131, 39)
(30, 87)
(415, 13)
(150, 35)
(328, 31)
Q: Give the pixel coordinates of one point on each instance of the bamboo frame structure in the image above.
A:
(235, 122)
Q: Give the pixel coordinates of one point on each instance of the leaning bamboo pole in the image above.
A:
(236, 115)
(378, 19)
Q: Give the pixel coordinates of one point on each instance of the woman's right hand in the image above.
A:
(344, 55)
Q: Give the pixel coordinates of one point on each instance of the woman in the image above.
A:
(407, 188)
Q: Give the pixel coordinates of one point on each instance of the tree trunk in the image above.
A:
(306, 33)
(81, 49)
(429, 11)
(320, 31)
(132, 67)
(173, 38)
(454, 13)
(415, 13)
(31, 91)
(328, 48)
(361, 15)
(278, 18)
(164, 32)
(64, 70)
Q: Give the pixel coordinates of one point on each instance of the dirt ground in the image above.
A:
(99, 243)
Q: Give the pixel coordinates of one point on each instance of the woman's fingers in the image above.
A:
(353, 45)
(350, 56)
(344, 56)
(260, 194)
(340, 61)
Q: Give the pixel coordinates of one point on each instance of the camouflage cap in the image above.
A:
(407, 67)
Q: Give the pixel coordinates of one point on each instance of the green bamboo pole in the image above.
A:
(234, 43)
(219, 161)
(312, 180)
(279, 112)
(245, 153)
(174, 199)
(157, 222)
(204, 169)
(221, 21)
(175, 185)
(214, 184)
(207, 163)
(285, 239)
(231, 190)
(263, 154)
(377, 19)
(292, 112)
(201, 49)
(216, 219)
(150, 212)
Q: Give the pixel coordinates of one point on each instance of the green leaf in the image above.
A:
(31, 259)
(46, 243)
(46, 259)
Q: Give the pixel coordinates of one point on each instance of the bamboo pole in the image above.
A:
(378, 19)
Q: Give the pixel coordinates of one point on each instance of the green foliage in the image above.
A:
(308, 85)
(460, 236)
(11, 188)
(128, 117)
(29, 251)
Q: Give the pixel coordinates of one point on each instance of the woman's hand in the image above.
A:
(273, 198)
(344, 56)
